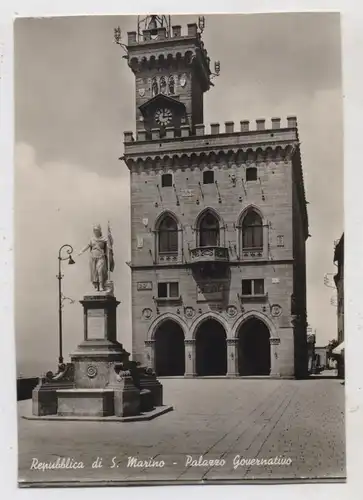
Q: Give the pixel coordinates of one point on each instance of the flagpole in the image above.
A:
(108, 251)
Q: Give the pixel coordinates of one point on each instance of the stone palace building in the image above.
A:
(218, 222)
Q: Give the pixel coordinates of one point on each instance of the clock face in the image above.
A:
(163, 116)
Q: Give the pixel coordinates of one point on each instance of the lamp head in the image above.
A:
(201, 23)
(70, 260)
(117, 34)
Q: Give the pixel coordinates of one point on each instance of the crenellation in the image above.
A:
(199, 129)
(169, 132)
(128, 136)
(229, 127)
(291, 122)
(176, 31)
(245, 125)
(275, 123)
(141, 135)
(161, 33)
(192, 29)
(155, 134)
(260, 124)
(214, 128)
(185, 130)
(131, 37)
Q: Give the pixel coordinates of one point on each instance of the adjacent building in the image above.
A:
(218, 223)
(311, 339)
(321, 357)
(339, 283)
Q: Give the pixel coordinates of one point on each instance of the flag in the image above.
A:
(109, 235)
(111, 263)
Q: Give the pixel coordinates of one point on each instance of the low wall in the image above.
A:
(24, 387)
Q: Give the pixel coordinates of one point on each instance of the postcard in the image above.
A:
(179, 249)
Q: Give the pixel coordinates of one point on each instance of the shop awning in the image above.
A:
(339, 348)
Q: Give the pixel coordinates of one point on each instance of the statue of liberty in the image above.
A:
(101, 258)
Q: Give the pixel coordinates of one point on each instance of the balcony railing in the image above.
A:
(168, 257)
(252, 253)
(209, 254)
(255, 297)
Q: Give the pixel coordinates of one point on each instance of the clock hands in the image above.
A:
(163, 116)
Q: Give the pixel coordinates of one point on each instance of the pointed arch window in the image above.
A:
(168, 235)
(208, 230)
(252, 231)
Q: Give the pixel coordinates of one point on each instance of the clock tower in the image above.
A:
(218, 222)
(171, 74)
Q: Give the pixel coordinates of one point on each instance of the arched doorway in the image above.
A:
(169, 349)
(211, 349)
(254, 352)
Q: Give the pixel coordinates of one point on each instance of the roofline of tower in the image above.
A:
(170, 48)
(163, 41)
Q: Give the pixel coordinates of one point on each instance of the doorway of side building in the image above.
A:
(211, 349)
(169, 350)
(254, 351)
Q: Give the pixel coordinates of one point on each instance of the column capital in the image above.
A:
(274, 340)
(232, 341)
(189, 341)
(149, 342)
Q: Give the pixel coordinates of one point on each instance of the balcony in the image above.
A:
(209, 254)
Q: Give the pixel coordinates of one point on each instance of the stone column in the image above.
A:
(275, 362)
(232, 357)
(150, 354)
(190, 358)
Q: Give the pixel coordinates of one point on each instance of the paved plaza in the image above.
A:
(225, 421)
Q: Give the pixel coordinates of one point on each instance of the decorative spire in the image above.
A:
(152, 22)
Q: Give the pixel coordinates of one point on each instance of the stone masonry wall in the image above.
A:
(271, 194)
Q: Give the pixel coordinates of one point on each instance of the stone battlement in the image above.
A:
(162, 34)
(185, 130)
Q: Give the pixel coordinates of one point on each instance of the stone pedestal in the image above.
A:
(44, 396)
(100, 381)
(96, 354)
(148, 381)
(85, 402)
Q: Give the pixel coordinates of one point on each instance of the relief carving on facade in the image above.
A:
(276, 310)
(189, 312)
(91, 371)
(231, 311)
(147, 313)
(144, 285)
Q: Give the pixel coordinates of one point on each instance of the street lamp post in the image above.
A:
(69, 251)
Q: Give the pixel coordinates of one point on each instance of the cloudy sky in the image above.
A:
(74, 98)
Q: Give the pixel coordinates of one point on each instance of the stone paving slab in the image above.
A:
(216, 419)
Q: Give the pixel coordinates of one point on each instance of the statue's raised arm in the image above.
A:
(83, 250)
